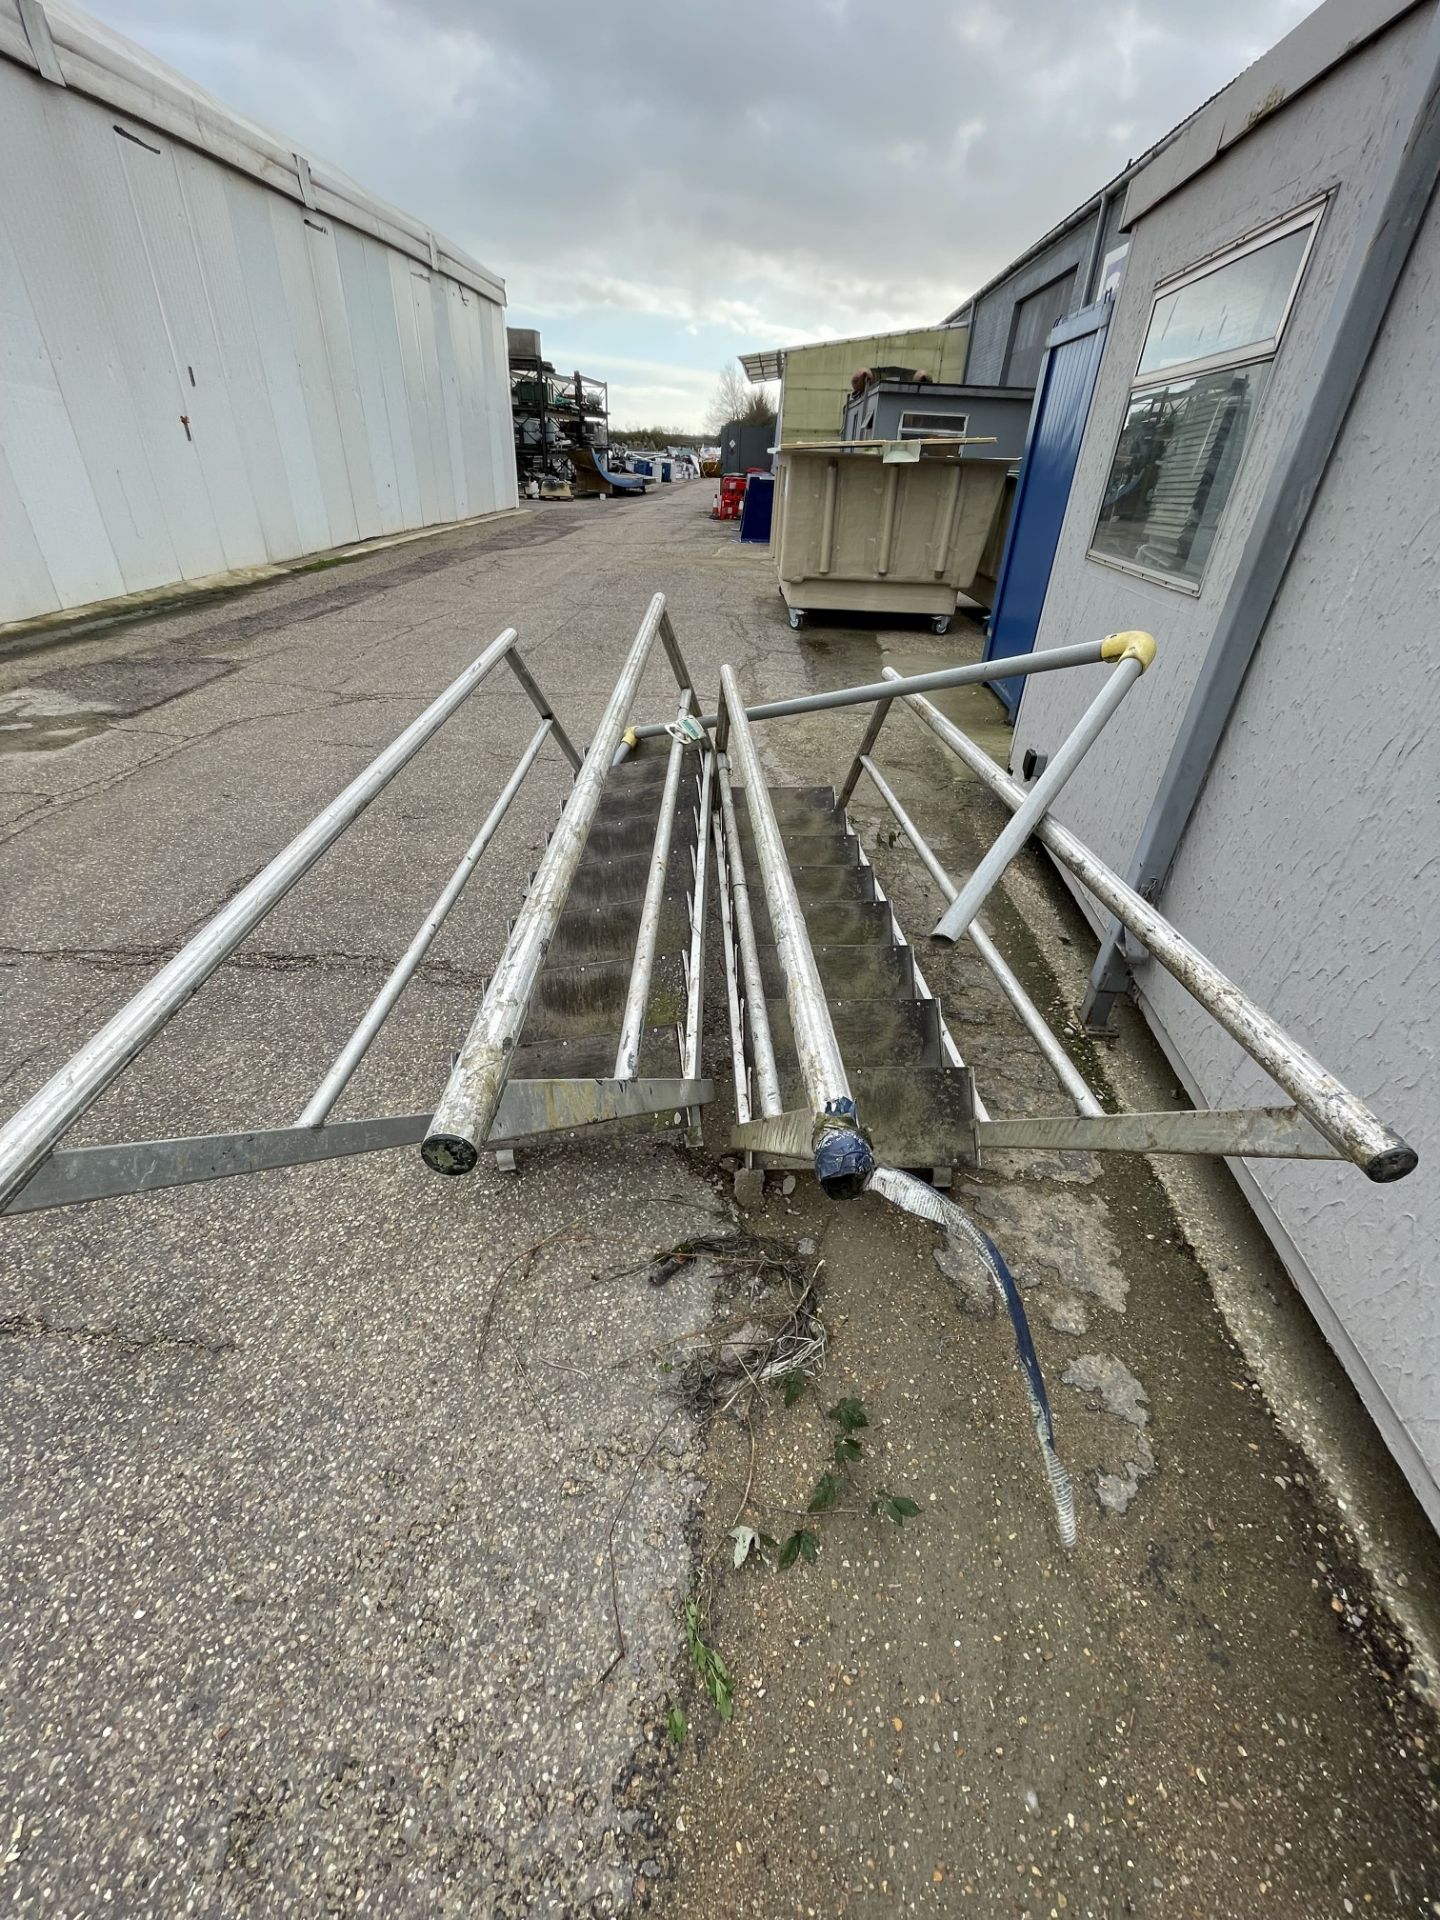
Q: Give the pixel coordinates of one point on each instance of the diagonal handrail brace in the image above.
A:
(1132, 654)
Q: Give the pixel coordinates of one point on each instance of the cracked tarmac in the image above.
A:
(349, 1513)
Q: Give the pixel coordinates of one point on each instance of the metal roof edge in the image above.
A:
(840, 340)
(105, 66)
(1321, 41)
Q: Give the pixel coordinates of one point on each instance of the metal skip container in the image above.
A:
(882, 527)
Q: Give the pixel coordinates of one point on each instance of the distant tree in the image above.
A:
(736, 399)
(654, 437)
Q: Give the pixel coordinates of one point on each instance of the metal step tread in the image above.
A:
(592, 1056)
(818, 886)
(621, 839)
(872, 972)
(871, 1033)
(600, 881)
(815, 845)
(571, 1002)
(792, 803)
(833, 923)
(608, 932)
(626, 802)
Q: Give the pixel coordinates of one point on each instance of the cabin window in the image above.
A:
(1213, 333)
(925, 426)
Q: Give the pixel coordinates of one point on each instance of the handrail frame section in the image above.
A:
(29, 1139)
(1337, 1114)
(1329, 1120)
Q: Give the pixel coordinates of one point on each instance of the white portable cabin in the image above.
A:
(1308, 864)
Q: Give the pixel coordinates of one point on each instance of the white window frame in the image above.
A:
(956, 427)
(1253, 353)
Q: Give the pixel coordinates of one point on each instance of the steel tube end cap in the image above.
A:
(1393, 1164)
(449, 1153)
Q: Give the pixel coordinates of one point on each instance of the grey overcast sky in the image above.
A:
(665, 183)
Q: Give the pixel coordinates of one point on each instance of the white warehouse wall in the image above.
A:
(200, 374)
(1310, 871)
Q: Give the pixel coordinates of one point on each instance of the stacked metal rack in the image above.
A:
(553, 412)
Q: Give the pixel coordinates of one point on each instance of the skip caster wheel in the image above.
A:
(941, 623)
(797, 619)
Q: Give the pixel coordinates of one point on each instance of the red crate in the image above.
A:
(730, 498)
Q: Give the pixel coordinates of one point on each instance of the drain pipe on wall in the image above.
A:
(1342, 351)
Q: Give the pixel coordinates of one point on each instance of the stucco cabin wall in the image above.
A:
(1311, 869)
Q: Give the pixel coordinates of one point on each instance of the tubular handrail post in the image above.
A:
(1331, 1107)
(1139, 651)
(1030, 1016)
(673, 655)
(695, 984)
(342, 1068)
(842, 1156)
(467, 1108)
(762, 1045)
(542, 706)
(642, 965)
(865, 748)
(29, 1135)
(1085, 653)
(732, 994)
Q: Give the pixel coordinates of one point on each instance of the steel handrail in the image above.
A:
(343, 1067)
(30, 1134)
(732, 990)
(699, 904)
(842, 1154)
(960, 914)
(1085, 653)
(647, 934)
(762, 1044)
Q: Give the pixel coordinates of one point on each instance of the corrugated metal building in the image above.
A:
(214, 353)
(1009, 320)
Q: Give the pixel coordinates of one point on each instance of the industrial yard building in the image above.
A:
(215, 352)
(815, 379)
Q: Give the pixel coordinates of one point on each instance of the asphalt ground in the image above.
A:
(349, 1513)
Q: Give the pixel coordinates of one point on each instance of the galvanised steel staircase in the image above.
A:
(840, 1053)
(841, 1059)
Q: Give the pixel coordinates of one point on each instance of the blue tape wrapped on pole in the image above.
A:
(843, 1160)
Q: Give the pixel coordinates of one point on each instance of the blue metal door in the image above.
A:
(1057, 423)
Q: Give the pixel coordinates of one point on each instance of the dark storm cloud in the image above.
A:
(777, 170)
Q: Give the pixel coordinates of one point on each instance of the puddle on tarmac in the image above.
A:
(39, 720)
(75, 702)
(975, 710)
